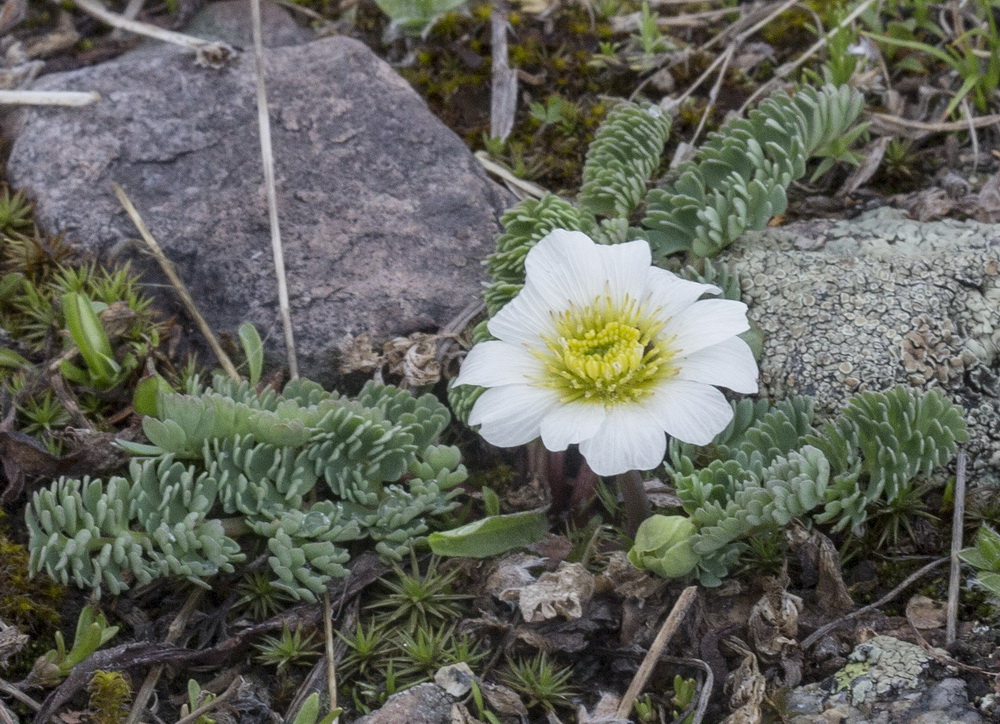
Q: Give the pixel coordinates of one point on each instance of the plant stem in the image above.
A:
(234, 527)
(636, 503)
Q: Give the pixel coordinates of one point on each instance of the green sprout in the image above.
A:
(418, 599)
(92, 632)
(541, 681)
(309, 712)
(427, 650)
(15, 211)
(985, 556)
(197, 698)
(259, 597)
(367, 649)
(291, 649)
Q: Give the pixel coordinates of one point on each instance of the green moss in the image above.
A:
(110, 695)
(30, 604)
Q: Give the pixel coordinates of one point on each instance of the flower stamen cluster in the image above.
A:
(605, 353)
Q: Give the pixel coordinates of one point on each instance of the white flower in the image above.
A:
(603, 350)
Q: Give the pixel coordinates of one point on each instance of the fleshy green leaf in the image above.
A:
(490, 536)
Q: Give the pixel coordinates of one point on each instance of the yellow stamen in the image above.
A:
(605, 353)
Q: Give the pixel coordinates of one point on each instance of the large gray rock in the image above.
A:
(385, 214)
(849, 306)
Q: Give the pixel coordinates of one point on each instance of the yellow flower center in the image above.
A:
(605, 353)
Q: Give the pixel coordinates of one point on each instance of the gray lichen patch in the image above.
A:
(880, 667)
(868, 304)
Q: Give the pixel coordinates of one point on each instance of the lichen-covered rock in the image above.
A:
(385, 213)
(867, 304)
(887, 681)
(423, 704)
(883, 666)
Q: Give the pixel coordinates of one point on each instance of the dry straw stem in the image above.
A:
(915, 130)
(503, 98)
(521, 187)
(267, 154)
(957, 523)
(669, 628)
(177, 627)
(48, 98)
(131, 12)
(175, 280)
(308, 12)
(210, 53)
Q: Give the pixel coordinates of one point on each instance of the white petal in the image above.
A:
(629, 439)
(690, 411)
(671, 294)
(626, 268)
(524, 320)
(566, 268)
(729, 363)
(569, 424)
(490, 364)
(703, 324)
(511, 415)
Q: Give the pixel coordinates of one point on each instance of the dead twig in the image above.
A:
(669, 628)
(209, 53)
(267, 152)
(915, 130)
(957, 523)
(713, 94)
(910, 580)
(173, 633)
(48, 98)
(8, 688)
(178, 284)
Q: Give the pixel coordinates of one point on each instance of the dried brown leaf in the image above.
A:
(925, 613)
(561, 593)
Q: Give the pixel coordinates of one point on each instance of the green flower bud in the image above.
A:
(663, 546)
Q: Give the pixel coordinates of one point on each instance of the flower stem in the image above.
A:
(636, 503)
